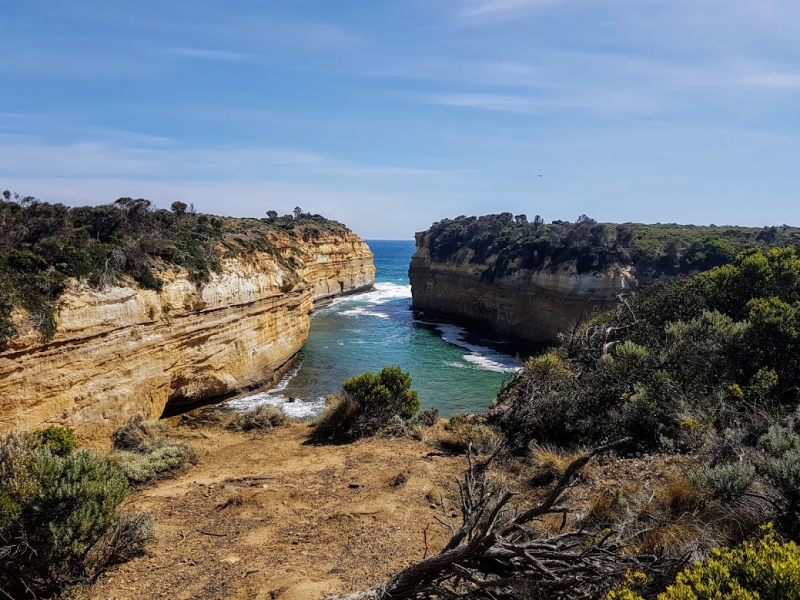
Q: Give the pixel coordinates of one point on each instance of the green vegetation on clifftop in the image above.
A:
(44, 245)
(505, 244)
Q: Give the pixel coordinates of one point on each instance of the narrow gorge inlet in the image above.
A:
(455, 369)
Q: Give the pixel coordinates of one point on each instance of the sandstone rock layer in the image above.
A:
(529, 306)
(124, 350)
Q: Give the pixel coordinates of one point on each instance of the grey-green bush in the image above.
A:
(260, 418)
(144, 452)
(724, 482)
(53, 511)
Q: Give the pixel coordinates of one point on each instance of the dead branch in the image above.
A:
(492, 555)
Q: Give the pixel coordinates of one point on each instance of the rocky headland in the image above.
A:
(121, 349)
(533, 281)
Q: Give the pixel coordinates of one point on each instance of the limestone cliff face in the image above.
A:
(124, 350)
(530, 306)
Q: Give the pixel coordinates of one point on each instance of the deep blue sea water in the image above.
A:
(454, 370)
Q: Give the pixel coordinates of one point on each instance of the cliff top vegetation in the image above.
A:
(506, 243)
(43, 245)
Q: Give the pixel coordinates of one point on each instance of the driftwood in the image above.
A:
(493, 556)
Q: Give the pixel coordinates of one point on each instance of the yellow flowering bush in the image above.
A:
(765, 569)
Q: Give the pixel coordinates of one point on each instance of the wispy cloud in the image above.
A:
(597, 101)
(209, 54)
(493, 102)
(502, 8)
(771, 80)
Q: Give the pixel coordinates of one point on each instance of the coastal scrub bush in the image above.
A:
(781, 467)
(677, 363)
(54, 510)
(367, 404)
(765, 569)
(144, 452)
(61, 441)
(724, 482)
(261, 418)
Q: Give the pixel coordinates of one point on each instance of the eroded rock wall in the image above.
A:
(529, 306)
(124, 350)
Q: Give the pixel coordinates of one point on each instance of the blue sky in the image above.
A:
(389, 115)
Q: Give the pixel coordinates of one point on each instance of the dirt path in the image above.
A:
(310, 521)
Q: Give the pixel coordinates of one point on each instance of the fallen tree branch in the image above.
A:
(492, 555)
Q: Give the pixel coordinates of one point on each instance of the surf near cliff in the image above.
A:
(454, 369)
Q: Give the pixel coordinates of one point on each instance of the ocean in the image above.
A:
(453, 369)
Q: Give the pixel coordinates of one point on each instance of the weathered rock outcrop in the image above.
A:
(531, 306)
(124, 350)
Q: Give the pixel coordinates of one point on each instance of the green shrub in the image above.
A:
(724, 344)
(765, 569)
(260, 418)
(781, 461)
(389, 391)
(138, 435)
(367, 404)
(762, 570)
(143, 467)
(53, 511)
(724, 482)
(60, 440)
(144, 452)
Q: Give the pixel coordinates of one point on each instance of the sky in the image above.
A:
(390, 115)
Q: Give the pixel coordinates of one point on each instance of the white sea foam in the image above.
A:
(380, 294)
(456, 365)
(383, 292)
(360, 311)
(296, 408)
(480, 356)
(361, 305)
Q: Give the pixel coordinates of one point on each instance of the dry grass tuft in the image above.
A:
(674, 539)
(678, 496)
(483, 439)
(261, 418)
(550, 463)
(608, 506)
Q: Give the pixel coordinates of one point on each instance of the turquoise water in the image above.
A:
(454, 370)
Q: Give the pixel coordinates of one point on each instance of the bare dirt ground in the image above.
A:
(274, 517)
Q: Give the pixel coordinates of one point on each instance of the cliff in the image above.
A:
(531, 306)
(532, 281)
(121, 349)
